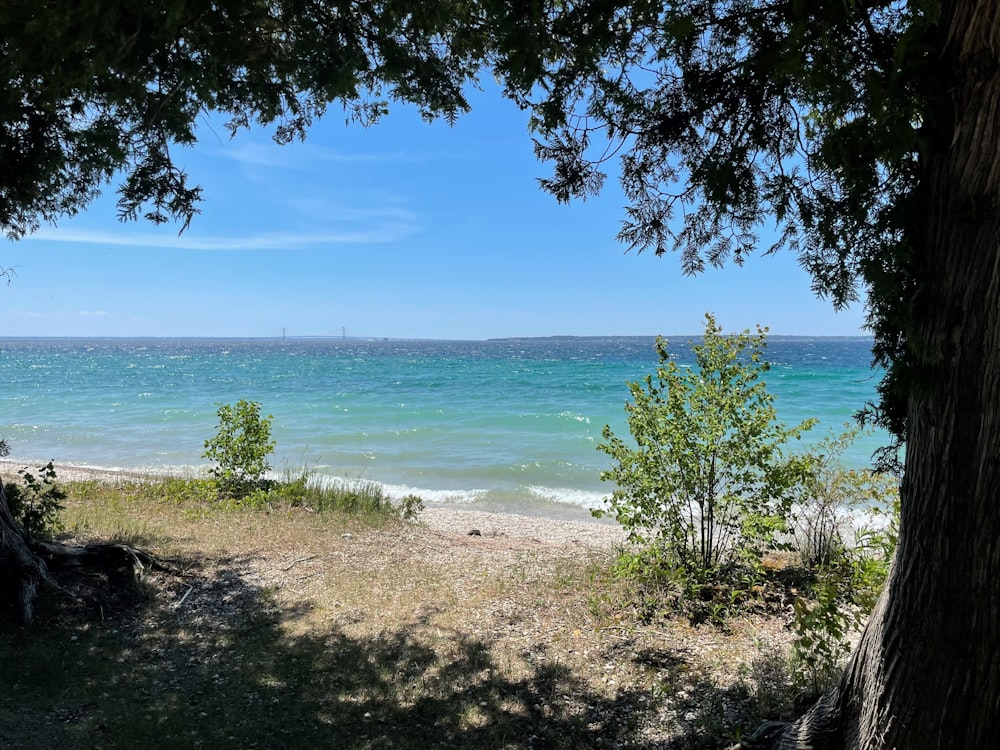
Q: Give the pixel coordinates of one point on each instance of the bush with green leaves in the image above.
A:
(706, 481)
(822, 623)
(835, 498)
(240, 449)
(849, 573)
(35, 503)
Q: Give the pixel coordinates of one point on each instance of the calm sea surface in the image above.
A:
(507, 425)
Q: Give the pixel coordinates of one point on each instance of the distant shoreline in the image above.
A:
(412, 339)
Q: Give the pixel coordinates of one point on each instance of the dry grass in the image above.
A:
(299, 629)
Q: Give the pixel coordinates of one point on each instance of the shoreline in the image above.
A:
(443, 519)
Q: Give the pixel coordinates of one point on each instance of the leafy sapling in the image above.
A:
(705, 481)
(240, 449)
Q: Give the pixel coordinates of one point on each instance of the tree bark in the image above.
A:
(927, 671)
(21, 570)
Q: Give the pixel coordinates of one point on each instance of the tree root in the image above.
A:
(765, 737)
(89, 573)
(106, 558)
(26, 566)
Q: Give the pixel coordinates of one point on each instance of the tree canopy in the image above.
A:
(737, 120)
(94, 90)
(729, 121)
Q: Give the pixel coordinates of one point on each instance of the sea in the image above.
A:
(508, 425)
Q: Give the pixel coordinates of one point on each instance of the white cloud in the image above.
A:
(325, 207)
(263, 241)
(304, 156)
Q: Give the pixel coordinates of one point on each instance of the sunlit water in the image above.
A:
(507, 425)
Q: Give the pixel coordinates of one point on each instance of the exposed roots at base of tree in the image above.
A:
(765, 737)
(107, 557)
(88, 577)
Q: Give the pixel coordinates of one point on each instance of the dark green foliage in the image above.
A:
(93, 89)
(240, 449)
(35, 503)
(726, 117)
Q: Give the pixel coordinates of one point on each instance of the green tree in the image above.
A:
(95, 90)
(240, 448)
(705, 482)
(867, 131)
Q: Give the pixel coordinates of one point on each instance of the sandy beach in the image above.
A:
(489, 528)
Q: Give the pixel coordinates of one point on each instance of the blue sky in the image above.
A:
(403, 230)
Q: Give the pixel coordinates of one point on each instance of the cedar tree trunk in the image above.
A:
(21, 569)
(927, 671)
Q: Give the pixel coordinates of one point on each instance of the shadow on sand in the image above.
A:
(208, 662)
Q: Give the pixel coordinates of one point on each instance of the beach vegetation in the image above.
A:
(836, 501)
(357, 497)
(322, 629)
(706, 483)
(846, 536)
(36, 501)
(240, 449)
(831, 611)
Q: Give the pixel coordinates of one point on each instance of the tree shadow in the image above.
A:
(212, 661)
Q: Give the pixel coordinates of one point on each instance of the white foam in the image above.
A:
(588, 499)
(462, 497)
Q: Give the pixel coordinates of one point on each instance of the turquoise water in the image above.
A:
(508, 425)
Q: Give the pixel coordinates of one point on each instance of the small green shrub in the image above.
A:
(295, 491)
(822, 625)
(833, 497)
(36, 502)
(847, 584)
(874, 548)
(240, 449)
(705, 485)
(179, 490)
(410, 507)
